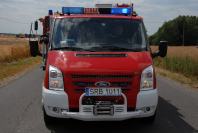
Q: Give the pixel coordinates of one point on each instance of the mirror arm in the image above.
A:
(44, 39)
(155, 54)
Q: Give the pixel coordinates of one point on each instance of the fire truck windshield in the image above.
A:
(96, 34)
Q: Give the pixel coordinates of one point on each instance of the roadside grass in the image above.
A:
(191, 81)
(12, 69)
(181, 64)
(12, 49)
(15, 57)
(181, 51)
(12, 40)
(185, 65)
(10, 53)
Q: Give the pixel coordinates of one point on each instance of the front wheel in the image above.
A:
(149, 120)
(48, 119)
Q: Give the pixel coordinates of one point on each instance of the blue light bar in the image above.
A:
(73, 10)
(122, 11)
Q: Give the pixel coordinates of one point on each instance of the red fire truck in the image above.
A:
(98, 65)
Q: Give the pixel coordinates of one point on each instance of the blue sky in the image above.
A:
(16, 15)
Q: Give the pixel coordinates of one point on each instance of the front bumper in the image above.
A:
(56, 104)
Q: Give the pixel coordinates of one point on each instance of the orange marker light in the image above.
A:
(91, 11)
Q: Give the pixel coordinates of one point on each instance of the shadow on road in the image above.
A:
(168, 120)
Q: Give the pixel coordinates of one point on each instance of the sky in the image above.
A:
(17, 15)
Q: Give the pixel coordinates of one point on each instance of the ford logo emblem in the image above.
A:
(102, 84)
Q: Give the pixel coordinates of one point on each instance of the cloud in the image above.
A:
(154, 12)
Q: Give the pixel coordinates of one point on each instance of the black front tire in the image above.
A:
(48, 119)
(149, 120)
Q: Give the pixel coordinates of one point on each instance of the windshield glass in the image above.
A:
(106, 34)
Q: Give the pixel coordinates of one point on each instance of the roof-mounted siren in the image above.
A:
(104, 8)
(125, 5)
(131, 5)
(104, 5)
(122, 9)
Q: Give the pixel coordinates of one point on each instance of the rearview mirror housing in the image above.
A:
(34, 50)
(36, 25)
(163, 48)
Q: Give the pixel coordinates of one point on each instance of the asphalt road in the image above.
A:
(20, 111)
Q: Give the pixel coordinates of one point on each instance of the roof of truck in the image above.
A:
(118, 12)
(97, 16)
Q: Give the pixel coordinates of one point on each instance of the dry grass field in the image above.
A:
(181, 51)
(11, 40)
(180, 60)
(12, 49)
(14, 57)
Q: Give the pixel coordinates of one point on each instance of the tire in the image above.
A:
(149, 120)
(48, 119)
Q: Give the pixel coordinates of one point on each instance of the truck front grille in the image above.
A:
(80, 81)
(92, 84)
(76, 76)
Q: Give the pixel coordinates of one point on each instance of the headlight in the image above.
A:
(55, 79)
(147, 79)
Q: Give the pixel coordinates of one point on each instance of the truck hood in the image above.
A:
(98, 62)
(78, 67)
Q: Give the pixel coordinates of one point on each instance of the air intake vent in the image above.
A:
(101, 55)
(119, 109)
(91, 84)
(102, 76)
(87, 109)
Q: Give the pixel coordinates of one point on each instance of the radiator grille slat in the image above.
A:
(102, 76)
(91, 84)
(119, 109)
(80, 81)
(87, 109)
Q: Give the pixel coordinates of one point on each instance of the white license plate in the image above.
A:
(103, 92)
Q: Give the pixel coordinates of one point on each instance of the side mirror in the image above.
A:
(46, 40)
(163, 48)
(34, 50)
(36, 25)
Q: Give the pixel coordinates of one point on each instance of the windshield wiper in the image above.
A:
(71, 49)
(114, 48)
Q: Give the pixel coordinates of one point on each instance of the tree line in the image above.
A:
(182, 30)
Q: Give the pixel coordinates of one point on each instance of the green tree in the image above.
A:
(179, 31)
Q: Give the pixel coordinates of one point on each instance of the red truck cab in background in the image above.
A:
(98, 65)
